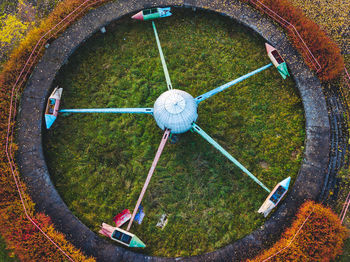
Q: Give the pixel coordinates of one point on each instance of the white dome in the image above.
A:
(176, 110)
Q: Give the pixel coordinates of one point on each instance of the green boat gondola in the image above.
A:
(121, 236)
(153, 13)
(277, 60)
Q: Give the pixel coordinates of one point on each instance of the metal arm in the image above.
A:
(149, 176)
(109, 110)
(198, 130)
(200, 98)
(165, 69)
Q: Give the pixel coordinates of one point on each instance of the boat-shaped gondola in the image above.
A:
(53, 104)
(153, 13)
(122, 217)
(121, 236)
(277, 60)
(275, 197)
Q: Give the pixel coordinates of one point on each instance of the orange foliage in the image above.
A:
(22, 236)
(322, 47)
(320, 239)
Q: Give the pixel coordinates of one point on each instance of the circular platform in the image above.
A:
(175, 110)
(31, 159)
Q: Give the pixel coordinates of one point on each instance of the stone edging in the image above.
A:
(308, 184)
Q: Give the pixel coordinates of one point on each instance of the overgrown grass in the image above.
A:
(99, 162)
(345, 257)
(5, 255)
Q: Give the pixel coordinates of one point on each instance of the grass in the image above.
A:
(5, 255)
(99, 162)
(345, 257)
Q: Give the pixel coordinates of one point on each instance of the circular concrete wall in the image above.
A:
(308, 184)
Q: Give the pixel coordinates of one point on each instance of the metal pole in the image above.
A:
(198, 130)
(109, 110)
(200, 98)
(149, 176)
(166, 73)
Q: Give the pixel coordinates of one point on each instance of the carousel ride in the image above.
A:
(175, 112)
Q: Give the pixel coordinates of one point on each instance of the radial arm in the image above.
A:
(110, 110)
(229, 84)
(198, 130)
(149, 176)
(166, 73)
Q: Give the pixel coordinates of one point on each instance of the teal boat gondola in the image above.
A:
(121, 236)
(126, 238)
(277, 60)
(153, 13)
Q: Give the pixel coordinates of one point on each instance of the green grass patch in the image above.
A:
(345, 256)
(99, 162)
(6, 255)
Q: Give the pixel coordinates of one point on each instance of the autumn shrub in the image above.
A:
(19, 233)
(322, 47)
(320, 238)
(22, 236)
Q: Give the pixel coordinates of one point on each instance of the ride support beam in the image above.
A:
(165, 69)
(212, 92)
(110, 110)
(149, 176)
(198, 130)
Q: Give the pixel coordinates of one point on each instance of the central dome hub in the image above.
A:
(176, 110)
(174, 103)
